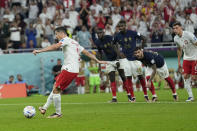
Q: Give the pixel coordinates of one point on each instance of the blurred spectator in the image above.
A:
(57, 68)
(167, 31)
(45, 43)
(84, 37)
(49, 31)
(15, 35)
(40, 30)
(127, 13)
(11, 80)
(67, 22)
(189, 24)
(31, 36)
(20, 79)
(3, 44)
(168, 11)
(193, 17)
(116, 17)
(58, 23)
(73, 16)
(68, 3)
(91, 19)
(20, 22)
(180, 17)
(97, 7)
(78, 27)
(101, 20)
(33, 11)
(44, 16)
(143, 26)
(156, 33)
(108, 30)
(84, 11)
(8, 14)
(51, 8)
(106, 9)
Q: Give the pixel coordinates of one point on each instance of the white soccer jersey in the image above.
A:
(186, 42)
(71, 50)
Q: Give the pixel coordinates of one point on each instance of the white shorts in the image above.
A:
(112, 66)
(162, 72)
(132, 68)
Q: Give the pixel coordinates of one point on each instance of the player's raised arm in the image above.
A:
(49, 48)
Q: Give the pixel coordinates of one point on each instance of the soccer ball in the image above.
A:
(29, 111)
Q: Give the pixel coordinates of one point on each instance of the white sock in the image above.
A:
(176, 86)
(57, 103)
(78, 89)
(82, 90)
(187, 83)
(49, 101)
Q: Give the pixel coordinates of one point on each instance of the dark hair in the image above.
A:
(176, 23)
(138, 48)
(59, 59)
(122, 22)
(61, 29)
(99, 30)
(11, 76)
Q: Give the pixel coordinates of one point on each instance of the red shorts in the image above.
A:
(190, 67)
(64, 79)
(80, 81)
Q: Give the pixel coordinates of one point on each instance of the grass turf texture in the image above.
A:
(92, 112)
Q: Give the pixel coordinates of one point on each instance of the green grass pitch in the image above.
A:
(92, 112)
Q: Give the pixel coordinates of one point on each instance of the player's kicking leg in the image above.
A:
(56, 98)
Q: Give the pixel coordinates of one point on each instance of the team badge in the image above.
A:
(186, 42)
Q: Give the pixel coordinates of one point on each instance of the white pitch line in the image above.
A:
(163, 102)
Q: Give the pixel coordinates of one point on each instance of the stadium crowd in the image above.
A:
(27, 24)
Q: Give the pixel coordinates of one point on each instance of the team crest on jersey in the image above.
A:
(139, 70)
(186, 42)
(130, 38)
(125, 39)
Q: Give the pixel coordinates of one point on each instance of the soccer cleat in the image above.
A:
(175, 97)
(146, 98)
(129, 98)
(190, 99)
(133, 99)
(42, 111)
(154, 99)
(55, 115)
(114, 100)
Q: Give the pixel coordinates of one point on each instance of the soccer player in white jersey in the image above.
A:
(70, 68)
(187, 42)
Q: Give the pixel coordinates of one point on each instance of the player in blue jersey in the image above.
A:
(155, 63)
(104, 44)
(126, 43)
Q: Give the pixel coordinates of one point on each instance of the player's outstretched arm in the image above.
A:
(49, 48)
(85, 52)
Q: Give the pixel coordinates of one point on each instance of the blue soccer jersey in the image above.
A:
(151, 58)
(106, 45)
(127, 41)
